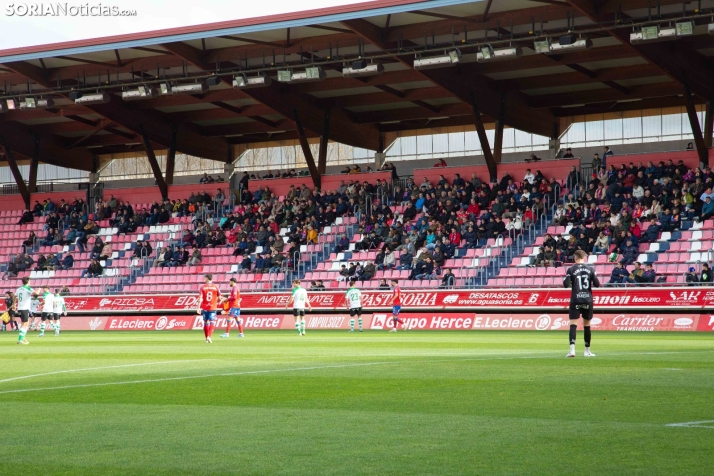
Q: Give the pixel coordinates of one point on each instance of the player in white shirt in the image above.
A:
(34, 312)
(24, 302)
(353, 297)
(58, 309)
(48, 301)
(299, 299)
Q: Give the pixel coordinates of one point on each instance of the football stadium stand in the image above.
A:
(426, 231)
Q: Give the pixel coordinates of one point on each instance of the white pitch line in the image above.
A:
(694, 424)
(100, 368)
(252, 372)
(167, 379)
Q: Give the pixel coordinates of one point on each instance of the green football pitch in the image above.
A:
(491, 403)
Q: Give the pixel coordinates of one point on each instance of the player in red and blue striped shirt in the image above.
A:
(396, 304)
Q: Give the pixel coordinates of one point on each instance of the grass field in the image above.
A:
(492, 403)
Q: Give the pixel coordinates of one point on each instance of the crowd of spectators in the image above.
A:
(611, 206)
(208, 179)
(638, 275)
(252, 228)
(440, 217)
(606, 212)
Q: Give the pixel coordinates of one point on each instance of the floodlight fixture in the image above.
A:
(142, 92)
(655, 33)
(312, 73)
(684, 28)
(242, 81)
(34, 103)
(12, 104)
(213, 81)
(284, 75)
(190, 88)
(542, 46)
(450, 58)
(361, 68)
(96, 98)
(488, 53)
(569, 43)
(74, 95)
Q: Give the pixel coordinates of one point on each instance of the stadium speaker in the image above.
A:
(566, 40)
(213, 81)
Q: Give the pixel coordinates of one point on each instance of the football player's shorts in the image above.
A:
(234, 311)
(299, 312)
(24, 315)
(395, 310)
(209, 315)
(355, 311)
(57, 316)
(46, 315)
(584, 310)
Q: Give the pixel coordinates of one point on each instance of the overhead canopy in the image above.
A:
(539, 89)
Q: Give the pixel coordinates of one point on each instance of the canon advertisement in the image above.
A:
(462, 321)
(612, 299)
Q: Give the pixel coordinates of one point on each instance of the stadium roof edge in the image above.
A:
(233, 27)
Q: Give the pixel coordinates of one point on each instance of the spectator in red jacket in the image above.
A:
(455, 237)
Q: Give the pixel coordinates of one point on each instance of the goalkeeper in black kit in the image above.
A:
(580, 278)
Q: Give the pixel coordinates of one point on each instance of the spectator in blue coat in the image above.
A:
(67, 261)
(619, 274)
(651, 234)
(707, 209)
(629, 252)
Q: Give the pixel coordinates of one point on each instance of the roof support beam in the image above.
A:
(34, 165)
(709, 121)
(309, 160)
(696, 128)
(103, 124)
(171, 157)
(464, 81)
(708, 125)
(593, 96)
(10, 157)
(498, 140)
(188, 141)
(52, 150)
(268, 137)
(285, 100)
(483, 139)
(160, 182)
(485, 12)
(324, 140)
(368, 31)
